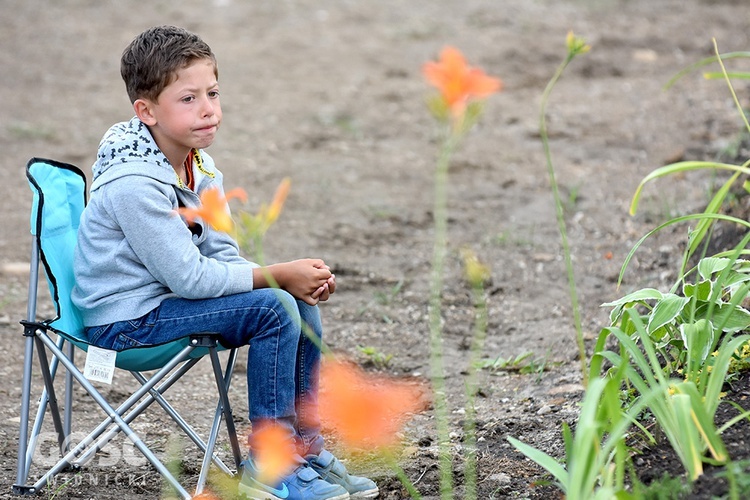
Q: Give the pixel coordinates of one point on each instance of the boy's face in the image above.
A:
(187, 114)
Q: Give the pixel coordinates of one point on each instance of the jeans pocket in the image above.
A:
(124, 341)
(123, 334)
(97, 335)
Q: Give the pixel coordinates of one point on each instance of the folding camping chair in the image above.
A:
(59, 196)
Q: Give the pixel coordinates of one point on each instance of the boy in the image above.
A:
(144, 276)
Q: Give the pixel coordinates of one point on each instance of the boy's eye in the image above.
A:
(213, 93)
(187, 98)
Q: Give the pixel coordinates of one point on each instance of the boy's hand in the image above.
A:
(309, 280)
(325, 291)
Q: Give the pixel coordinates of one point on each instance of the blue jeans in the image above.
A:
(283, 362)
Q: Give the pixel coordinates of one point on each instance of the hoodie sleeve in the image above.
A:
(162, 243)
(220, 246)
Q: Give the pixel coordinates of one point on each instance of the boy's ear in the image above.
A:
(144, 111)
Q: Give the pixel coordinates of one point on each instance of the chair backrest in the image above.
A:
(59, 199)
(59, 191)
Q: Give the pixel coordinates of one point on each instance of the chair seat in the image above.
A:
(146, 358)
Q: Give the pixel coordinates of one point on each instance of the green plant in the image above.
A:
(524, 363)
(511, 363)
(383, 298)
(684, 414)
(477, 274)
(388, 296)
(60, 489)
(738, 477)
(658, 336)
(572, 198)
(514, 236)
(575, 46)
(377, 358)
(685, 329)
(664, 488)
(595, 453)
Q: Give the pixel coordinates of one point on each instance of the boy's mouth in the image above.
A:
(208, 129)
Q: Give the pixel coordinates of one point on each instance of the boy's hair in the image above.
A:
(152, 59)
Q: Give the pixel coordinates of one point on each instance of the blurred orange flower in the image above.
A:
(271, 213)
(206, 495)
(366, 410)
(458, 82)
(273, 453)
(213, 208)
(255, 225)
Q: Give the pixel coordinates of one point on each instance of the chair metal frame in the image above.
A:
(38, 334)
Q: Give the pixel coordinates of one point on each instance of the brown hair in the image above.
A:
(153, 58)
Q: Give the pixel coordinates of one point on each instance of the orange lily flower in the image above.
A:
(273, 453)
(457, 81)
(206, 495)
(274, 209)
(213, 208)
(366, 410)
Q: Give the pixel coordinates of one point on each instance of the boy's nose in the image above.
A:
(208, 107)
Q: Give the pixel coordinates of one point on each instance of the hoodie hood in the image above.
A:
(129, 149)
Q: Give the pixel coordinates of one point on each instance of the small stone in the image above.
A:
(500, 477)
(544, 410)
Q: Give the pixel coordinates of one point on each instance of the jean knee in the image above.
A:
(310, 315)
(284, 305)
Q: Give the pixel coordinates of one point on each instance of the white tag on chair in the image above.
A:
(100, 364)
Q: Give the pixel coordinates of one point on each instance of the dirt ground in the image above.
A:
(330, 93)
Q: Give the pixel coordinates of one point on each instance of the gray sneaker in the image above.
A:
(301, 484)
(333, 471)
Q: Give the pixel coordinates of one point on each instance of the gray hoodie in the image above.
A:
(134, 250)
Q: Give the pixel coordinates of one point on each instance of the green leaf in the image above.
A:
(666, 311)
(640, 295)
(736, 277)
(719, 370)
(675, 168)
(704, 422)
(438, 108)
(547, 462)
(671, 222)
(713, 207)
(710, 265)
(689, 445)
(712, 75)
(704, 62)
(730, 318)
(698, 338)
(701, 291)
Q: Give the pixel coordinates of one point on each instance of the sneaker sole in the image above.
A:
(255, 494)
(365, 494)
(251, 493)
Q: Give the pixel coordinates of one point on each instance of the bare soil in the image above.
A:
(330, 93)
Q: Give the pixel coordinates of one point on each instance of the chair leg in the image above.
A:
(41, 411)
(28, 442)
(22, 471)
(222, 384)
(67, 416)
(51, 396)
(224, 410)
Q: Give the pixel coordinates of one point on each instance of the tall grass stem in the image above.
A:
(561, 216)
(435, 316)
